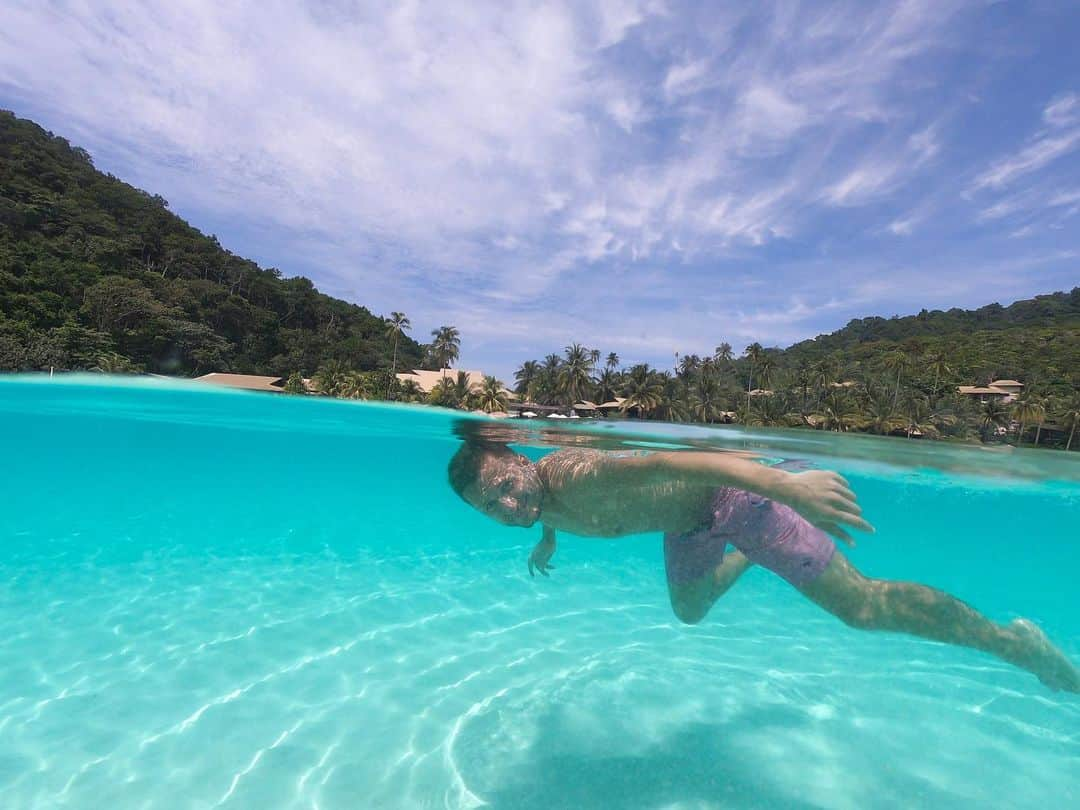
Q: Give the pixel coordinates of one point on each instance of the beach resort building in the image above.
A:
(247, 382)
(427, 380)
(1003, 390)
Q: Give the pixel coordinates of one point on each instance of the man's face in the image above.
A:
(507, 489)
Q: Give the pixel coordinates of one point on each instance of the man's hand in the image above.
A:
(825, 500)
(542, 553)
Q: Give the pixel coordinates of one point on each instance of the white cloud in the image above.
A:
(1062, 111)
(1060, 137)
(1039, 153)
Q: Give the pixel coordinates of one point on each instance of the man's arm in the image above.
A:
(821, 496)
(543, 552)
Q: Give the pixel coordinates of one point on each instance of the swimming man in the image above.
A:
(704, 501)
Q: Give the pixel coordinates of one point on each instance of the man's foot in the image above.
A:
(1042, 658)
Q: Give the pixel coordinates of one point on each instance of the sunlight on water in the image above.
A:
(219, 599)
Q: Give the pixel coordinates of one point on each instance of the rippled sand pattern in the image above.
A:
(249, 634)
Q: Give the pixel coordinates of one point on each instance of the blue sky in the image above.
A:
(637, 176)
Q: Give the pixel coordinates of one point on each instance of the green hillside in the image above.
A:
(97, 274)
(1036, 341)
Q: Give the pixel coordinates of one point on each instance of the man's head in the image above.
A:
(502, 484)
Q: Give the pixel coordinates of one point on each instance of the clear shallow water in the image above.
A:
(210, 598)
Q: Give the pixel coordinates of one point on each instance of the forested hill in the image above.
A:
(1036, 340)
(96, 273)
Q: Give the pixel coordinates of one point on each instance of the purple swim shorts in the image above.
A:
(770, 534)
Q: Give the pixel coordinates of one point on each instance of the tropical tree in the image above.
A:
(491, 397)
(689, 364)
(941, 368)
(612, 361)
(411, 391)
(705, 398)
(396, 324)
(463, 392)
(527, 377)
(544, 383)
(765, 372)
(895, 361)
(753, 354)
(723, 354)
(442, 393)
(353, 386)
(333, 378)
(574, 373)
(993, 415)
(1070, 418)
(770, 412)
(1029, 408)
(114, 363)
(446, 346)
(838, 411)
(295, 384)
(606, 385)
(920, 418)
(881, 417)
(644, 390)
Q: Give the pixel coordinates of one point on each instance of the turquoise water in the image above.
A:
(223, 599)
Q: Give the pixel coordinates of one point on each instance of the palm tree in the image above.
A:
(463, 391)
(353, 386)
(644, 390)
(442, 393)
(606, 385)
(332, 378)
(770, 412)
(941, 368)
(838, 411)
(765, 372)
(594, 357)
(574, 373)
(881, 416)
(895, 361)
(705, 398)
(547, 389)
(526, 377)
(753, 354)
(689, 364)
(612, 361)
(919, 417)
(395, 325)
(993, 415)
(411, 391)
(1070, 417)
(723, 354)
(1025, 410)
(446, 346)
(492, 397)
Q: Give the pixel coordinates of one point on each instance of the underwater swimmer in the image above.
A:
(703, 502)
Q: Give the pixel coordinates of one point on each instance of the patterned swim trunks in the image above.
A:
(770, 534)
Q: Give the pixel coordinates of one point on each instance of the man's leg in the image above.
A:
(692, 600)
(906, 607)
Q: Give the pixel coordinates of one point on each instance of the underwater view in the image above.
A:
(213, 598)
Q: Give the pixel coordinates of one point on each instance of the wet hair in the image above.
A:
(464, 467)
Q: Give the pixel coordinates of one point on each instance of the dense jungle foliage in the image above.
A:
(96, 274)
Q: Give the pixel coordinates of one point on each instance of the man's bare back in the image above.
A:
(596, 494)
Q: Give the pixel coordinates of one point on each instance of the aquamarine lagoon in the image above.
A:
(219, 599)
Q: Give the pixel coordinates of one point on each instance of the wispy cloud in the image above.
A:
(1060, 137)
